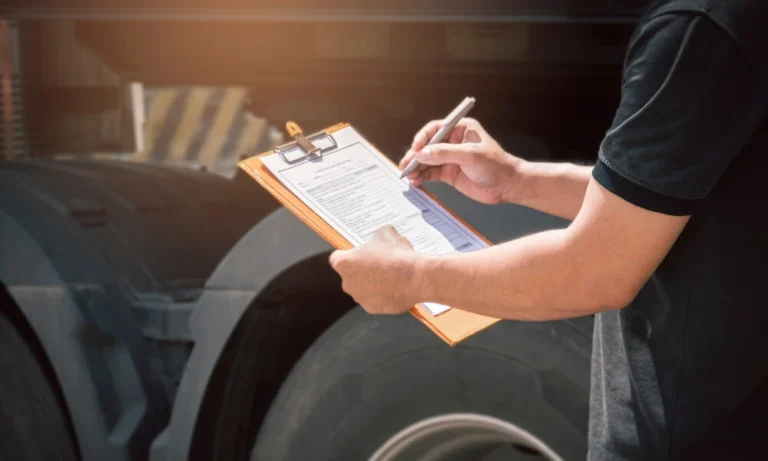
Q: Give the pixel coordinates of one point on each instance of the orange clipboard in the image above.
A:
(453, 325)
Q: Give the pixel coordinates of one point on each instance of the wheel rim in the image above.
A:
(462, 436)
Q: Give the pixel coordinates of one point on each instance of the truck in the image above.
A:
(154, 311)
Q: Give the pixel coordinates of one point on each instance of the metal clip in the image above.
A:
(296, 133)
(305, 142)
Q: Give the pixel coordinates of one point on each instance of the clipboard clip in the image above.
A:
(306, 143)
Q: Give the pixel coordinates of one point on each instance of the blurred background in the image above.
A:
(157, 304)
(206, 89)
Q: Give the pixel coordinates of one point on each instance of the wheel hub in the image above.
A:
(463, 436)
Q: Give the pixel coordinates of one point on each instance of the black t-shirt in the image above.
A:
(682, 372)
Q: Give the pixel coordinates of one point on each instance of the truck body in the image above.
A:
(160, 312)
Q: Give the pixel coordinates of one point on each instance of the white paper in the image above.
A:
(356, 192)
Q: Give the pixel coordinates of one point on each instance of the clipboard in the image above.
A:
(453, 325)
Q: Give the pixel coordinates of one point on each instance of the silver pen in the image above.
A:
(448, 125)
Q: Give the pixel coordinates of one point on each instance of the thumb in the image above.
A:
(442, 153)
(335, 257)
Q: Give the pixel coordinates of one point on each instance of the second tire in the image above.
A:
(369, 377)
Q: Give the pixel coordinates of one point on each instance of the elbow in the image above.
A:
(616, 299)
(605, 296)
(595, 281)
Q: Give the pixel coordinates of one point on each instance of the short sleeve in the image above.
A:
(690, 102)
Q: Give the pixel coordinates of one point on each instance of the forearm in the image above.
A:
(554, 188)
(537, 277)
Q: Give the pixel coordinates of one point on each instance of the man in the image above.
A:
(666, 245)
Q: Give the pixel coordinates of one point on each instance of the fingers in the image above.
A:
(425, 134)
(390, 236)
(406, 159)
(451, 151)
(430, 130)
(433, 173)
(336, 259)
(457, 135)
(416, 173)
(387, 230)
(388, 233)
(443, 153)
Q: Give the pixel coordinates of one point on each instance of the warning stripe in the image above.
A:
(158, 107)
(252, 136)
(189, 124)
(199, 126)
(209, 115)
(169, 126)
(231, 106)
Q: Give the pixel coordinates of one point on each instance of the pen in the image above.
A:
(448, 125)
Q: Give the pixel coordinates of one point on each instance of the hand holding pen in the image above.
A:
(465, 157)
(447, 127)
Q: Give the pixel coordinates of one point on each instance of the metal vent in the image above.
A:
(13, 130)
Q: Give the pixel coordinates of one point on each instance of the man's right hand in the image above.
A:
(471, 161)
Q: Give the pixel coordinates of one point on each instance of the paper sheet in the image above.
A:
(357, 192)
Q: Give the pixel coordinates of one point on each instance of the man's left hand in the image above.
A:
(379, 273)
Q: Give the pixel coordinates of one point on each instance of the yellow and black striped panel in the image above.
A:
(200, 126)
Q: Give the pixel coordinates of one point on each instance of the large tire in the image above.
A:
(33, 425)
(270, 338)
(369, 377)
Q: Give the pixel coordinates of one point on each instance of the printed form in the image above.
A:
(356, 192)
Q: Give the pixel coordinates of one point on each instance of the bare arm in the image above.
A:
(554, 188)
(599, 262)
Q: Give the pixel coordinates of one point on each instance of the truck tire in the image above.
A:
(278, 327)
(369, 377)
(34, 424)
(105, 261)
